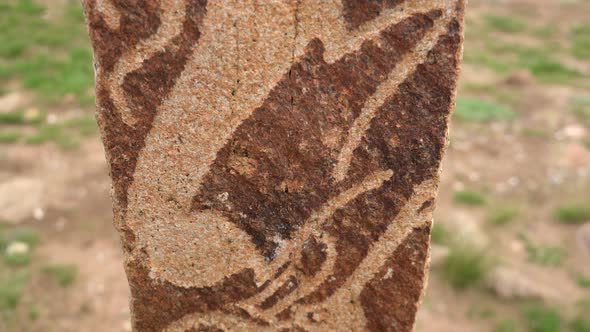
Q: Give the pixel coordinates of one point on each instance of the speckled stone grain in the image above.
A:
(275, 163)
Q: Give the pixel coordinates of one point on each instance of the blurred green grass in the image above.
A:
(439, 234)
(540, 254)
(11, 290)
(465, 266)
(581, 41)
(543, 54)
(470, 197)
(507, 325)
(502, 215)
(572, 213)
(580, 106)
(51, 57)
(477, 110)
(541, 318)
(505, 23)
(64, 275)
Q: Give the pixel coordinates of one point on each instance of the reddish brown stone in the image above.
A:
(390, 299)
(357, 12)
(274, 167)
(313, 255)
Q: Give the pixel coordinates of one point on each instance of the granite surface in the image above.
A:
(275, 163)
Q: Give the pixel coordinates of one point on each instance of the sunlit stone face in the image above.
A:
(275, 164)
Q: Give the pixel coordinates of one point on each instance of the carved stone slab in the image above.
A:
(275, 163)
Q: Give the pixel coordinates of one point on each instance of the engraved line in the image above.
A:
(398, 230)
(390, 240)
(386, 89)
(343, 41)
(371, 182)
(307, 285)
(172, 17)
(251, 302)
(313, 224)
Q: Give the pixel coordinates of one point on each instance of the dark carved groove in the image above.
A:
(390, 299)
(357, 12)
(139, 20)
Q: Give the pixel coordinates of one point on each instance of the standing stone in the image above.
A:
(275, 163)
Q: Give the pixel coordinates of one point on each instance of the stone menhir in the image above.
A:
(275, 163)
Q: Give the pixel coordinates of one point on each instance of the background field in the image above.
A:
(511, 245)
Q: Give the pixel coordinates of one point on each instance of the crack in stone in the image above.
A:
(234, 92)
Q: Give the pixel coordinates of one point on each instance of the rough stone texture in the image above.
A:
(275, 163)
